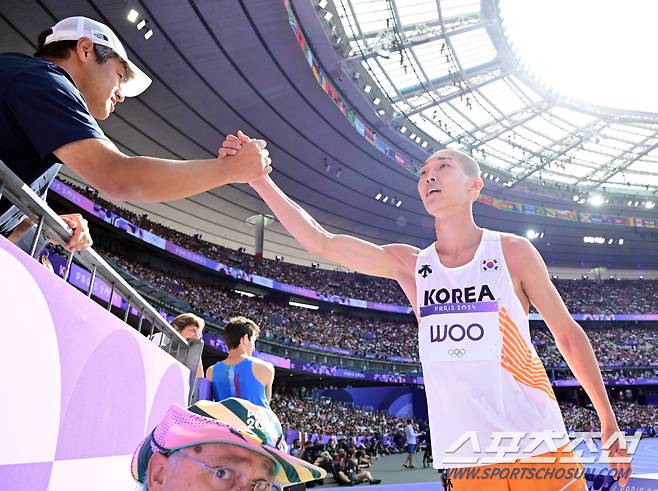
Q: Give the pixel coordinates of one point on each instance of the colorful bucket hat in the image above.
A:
(232, 421)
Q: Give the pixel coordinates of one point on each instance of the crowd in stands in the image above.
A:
(325, 417)
(288, 324)
(613, 345)
(325, 281)
(630, 415)
(580, 296)
(361, 436)
(609, 296)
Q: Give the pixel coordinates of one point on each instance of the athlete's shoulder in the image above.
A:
(513, 240)
(518, 250)
(405, 255)
(402, 249)
(261, 363)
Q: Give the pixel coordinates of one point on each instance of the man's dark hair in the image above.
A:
(235, 330)
(60, 50)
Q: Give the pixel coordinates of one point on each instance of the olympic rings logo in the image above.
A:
(457, 353)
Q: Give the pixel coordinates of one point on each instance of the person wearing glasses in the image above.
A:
(219, 446)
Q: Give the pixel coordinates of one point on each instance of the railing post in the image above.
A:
(109, 302)
(35, 239)
(127, 313)
(69, 261)
(91, 281)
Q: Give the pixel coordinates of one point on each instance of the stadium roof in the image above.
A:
(220, 66)
(448, 74)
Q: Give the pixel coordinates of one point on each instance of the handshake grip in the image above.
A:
(246, 161)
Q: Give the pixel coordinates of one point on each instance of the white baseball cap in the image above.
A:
(74, 28)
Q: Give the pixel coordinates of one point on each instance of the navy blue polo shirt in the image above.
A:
(40, 110)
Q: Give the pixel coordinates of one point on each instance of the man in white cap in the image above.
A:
(49, 105)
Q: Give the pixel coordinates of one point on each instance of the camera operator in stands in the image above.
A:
(49, 107)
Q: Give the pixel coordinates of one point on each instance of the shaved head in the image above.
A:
(470, 166)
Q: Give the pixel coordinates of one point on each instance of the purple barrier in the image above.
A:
(99, 386)
(609, 381)
(603, 317)
(204, 390)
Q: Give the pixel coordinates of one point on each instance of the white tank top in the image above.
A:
(481, 372)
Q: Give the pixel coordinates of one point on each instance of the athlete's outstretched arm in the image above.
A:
(570, 338)
(390, 261)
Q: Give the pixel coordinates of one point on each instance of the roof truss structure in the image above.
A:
(446, 68)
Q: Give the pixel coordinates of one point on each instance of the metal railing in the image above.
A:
(147, 320)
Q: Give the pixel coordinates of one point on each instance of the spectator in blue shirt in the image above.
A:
(49, 107)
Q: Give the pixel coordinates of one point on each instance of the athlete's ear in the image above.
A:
(476, 186)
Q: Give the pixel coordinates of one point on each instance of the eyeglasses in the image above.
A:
(226, 478)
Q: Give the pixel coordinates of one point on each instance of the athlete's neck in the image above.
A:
(234, 357)
(456, 233)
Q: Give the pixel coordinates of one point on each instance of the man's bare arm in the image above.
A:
(390, 261)
(149, 179)
(570, 338)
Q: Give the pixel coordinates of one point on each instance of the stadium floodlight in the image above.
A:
(133, 15)
(303, 305)
(378, 196)
(596, 200)
(141, 25)
(649, 205)
(148, 34)
(244, 293)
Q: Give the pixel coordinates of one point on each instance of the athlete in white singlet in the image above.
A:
(470, 291)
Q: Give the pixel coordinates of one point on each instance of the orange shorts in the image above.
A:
(521, 476)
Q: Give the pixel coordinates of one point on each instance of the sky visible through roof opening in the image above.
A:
(596, 51)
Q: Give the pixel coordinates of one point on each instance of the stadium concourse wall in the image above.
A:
(80, 388)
